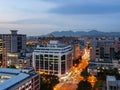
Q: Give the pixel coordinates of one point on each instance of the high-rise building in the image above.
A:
(76, 51)
(54, 58)
(11, 43)
(14, 79)
(2, 54)
(102, 50)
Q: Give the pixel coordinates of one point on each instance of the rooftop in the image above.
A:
(10, 77)
(111, 78)
(12, 81)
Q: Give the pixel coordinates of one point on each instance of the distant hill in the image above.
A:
(83, 33)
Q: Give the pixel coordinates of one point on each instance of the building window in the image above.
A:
(101, 52)
(37, 57)
(63, 68)
(97, 50)
(41, 57)
(115, 88)
(50, 56)
(55, 56)
(111, 87)
(41, 65)
(46, 64)
(97, 53)
(55, 72)
(56, 67)
(63, 57)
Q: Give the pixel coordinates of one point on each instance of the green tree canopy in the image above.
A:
(98, 84)
(84, 85)
(84, 73)
(47, 82)
(104, 72)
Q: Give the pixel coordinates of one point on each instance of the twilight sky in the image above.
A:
(37, 17)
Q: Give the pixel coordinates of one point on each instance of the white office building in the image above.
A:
(54, 58)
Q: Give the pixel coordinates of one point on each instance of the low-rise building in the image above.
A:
(112, 83)
(14, 79)
(94, 66)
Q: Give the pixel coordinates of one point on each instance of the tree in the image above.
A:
(76, 62)
(104, 72)
(98, 85)
(47, 82)
(84, 73)
(84, 85)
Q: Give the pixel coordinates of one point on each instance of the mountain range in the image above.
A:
(83, 33)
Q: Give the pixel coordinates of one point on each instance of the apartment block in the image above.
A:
(11, 43)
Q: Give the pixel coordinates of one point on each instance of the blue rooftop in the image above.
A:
(9, 70)
(19, 76)
(10, 82)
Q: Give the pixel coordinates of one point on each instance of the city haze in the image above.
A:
(38, 17)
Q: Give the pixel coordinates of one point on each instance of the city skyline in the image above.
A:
(40, 17)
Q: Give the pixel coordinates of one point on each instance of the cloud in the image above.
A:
(22, 9)
(87, 7)
(43, 16)
(25, 21)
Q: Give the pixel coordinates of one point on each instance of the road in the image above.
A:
(73, 77)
